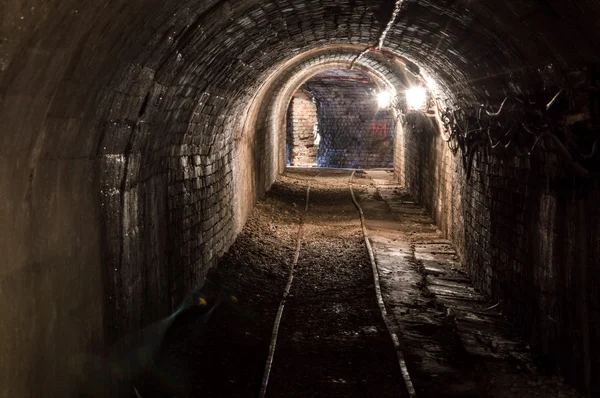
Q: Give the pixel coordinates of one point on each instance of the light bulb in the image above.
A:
(416, 99)
(383, 99)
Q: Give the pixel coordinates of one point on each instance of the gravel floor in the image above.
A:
(332, 340)
(224, 355)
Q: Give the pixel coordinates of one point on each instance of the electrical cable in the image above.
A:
(384, 34)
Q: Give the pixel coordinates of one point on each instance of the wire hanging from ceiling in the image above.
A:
(384, 34)
(390, 23)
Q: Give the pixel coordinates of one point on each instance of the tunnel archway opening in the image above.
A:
(336, 119)
(138, 138)
(266, 115)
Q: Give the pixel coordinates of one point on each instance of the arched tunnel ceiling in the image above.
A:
(341, 74)
(98, 98)
(75, 59)
(79, 80)
(470, 45)
(197, 62)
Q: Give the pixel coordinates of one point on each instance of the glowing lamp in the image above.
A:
(416, 99)
(431, 84)
(383, 99)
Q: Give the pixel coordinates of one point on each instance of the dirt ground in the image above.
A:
(457, 342)
(224, 355)
(332, 340)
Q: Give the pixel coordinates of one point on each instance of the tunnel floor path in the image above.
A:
(332, 340)
(457, 342)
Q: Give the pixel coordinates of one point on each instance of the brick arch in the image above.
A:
(132, 146)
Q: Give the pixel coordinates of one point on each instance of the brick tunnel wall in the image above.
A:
(300, 135)
(124, 175)
(201, 216)
(354, 132)
(127, 163)
(528, 233)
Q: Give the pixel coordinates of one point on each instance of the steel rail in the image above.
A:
(386, 318)
(286, 292)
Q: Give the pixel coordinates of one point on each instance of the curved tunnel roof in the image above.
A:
(94, 58)
(97, 98)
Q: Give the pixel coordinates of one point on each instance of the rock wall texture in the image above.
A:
(354, 132)
(301, 129)
(527, 231)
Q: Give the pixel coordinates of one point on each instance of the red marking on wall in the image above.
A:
(379, 129)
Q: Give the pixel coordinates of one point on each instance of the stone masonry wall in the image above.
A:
(528, 234)
(200, 216)
(104, 112)
(301, 121)
(355, 133)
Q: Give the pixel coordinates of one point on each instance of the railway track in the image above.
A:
(330, 334)
(363, 357)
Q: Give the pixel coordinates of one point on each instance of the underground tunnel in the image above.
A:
(336, 120)
(299, 198)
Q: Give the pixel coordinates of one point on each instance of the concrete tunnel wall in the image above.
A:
(135, 137)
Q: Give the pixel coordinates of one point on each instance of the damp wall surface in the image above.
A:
(527, 231)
